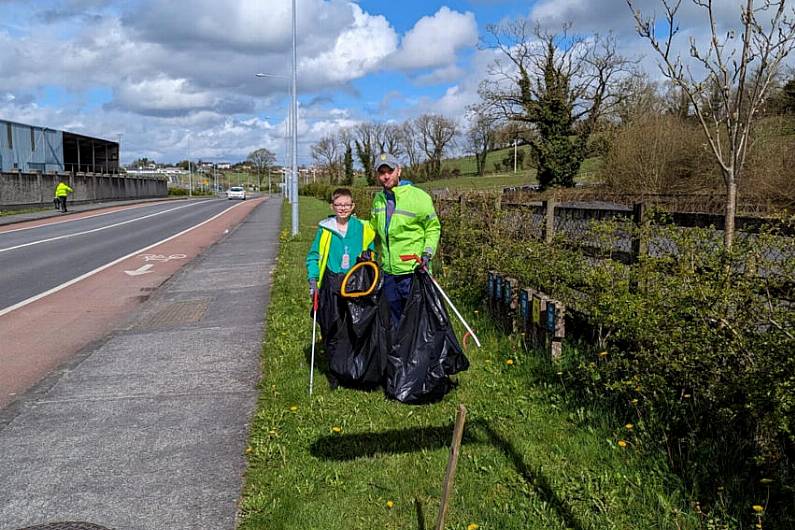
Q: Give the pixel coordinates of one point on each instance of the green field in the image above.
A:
(466, 165)
(532, 457)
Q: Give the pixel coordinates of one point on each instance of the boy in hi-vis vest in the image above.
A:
(339, 240)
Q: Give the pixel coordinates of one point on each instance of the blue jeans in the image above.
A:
(397, 289)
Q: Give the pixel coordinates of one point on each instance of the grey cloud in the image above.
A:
(248, 26)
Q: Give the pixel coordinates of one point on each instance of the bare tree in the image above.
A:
(436, 134)
(481, 135)
(409, 144)
(736, 76)
(390, 136)
(367, 143)
(262, 159)
(327, 154)
(557, 84)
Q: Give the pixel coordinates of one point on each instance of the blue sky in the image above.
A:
(162, 76)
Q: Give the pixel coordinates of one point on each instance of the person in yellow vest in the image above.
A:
(339, 240)
(62, 190)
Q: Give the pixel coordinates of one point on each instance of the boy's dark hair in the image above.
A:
(341, 192)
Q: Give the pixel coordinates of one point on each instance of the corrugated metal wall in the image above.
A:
(30, 148)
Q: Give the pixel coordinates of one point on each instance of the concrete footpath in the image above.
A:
(147, 430)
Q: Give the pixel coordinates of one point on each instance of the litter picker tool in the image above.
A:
(408, 257)
(314, 331)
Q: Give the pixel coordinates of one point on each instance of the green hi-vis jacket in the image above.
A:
(413, 229)
(329, 247)
(62, 190)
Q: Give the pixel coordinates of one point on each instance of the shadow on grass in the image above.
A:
(420, 514)
(396, 441)
(400, 441)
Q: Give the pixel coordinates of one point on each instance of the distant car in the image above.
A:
(236, 192)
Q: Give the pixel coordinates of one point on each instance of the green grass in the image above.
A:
(466, 165)
(531, 458)
(6, 213)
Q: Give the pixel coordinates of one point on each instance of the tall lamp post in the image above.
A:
(292, 183)
(190, 171)
(295, 135)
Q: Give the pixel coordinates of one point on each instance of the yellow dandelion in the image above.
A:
(472, 526)
(758, 525)
(248, 450)
(293, 408)
(622, 443)
(390, 504)
(336, 429)
(634, 401)
(559, 373)
(602, 354)
(766, 481)
(758, 509)
(686, 396)
(509, 362)
(629, 426)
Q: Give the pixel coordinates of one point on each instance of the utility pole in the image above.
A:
(515, 141)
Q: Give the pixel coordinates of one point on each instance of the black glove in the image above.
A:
(425, 259)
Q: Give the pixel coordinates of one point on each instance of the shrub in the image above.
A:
(694, 344)
(657, 153)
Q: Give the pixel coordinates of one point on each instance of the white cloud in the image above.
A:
(446, 74)
(161, 95)
(358, 50)
(435, 40)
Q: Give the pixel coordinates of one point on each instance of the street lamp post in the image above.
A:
(291, 187)
(295, 135)
(190, 172)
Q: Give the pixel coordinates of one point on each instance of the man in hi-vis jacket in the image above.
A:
(405, 223)
(62, 190)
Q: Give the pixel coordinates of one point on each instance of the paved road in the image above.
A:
(35, 259)
(146, 428)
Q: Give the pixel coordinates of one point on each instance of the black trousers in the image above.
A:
(62, 203)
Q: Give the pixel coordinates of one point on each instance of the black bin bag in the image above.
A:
(367, 319)
(425, 350)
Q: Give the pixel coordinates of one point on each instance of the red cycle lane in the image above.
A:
(40, 336)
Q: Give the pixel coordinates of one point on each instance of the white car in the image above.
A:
(236, 192)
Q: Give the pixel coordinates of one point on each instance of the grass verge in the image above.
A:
(531, 458)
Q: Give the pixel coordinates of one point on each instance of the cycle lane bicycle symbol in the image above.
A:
(162, 258)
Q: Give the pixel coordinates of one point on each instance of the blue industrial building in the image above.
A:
(30, 148)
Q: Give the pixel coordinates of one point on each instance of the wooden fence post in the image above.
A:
(539, 313)
(510, 297)
(452, 463)
(639, 243)
(556, 328)
(525, 309)
(549, 220)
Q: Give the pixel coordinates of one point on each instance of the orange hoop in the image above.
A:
(344, 291)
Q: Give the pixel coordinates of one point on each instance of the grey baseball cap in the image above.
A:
(386, 159)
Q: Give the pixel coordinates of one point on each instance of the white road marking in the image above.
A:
(143, 269)
(66, 236)
(73, 281)
(73, 219)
